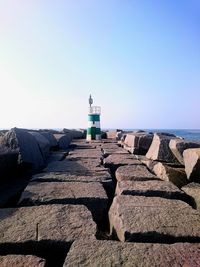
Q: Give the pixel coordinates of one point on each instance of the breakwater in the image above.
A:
(128, 200)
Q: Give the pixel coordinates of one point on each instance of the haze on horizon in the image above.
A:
(139, 59)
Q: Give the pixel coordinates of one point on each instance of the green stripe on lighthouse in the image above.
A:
(93, 117)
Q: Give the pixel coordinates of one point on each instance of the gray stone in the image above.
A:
(89, 253)
(116, 160)
(43, 144)
(50, 137)
(192, 163)
(138, 143)
(63, 223)
(153, 219)
(136, 172)
(8, 161)
(85, 153)
(91, 195)
(63, 140)
(21, 261)
(150, 189)
(111, 151)
(26, 145)
(112, 134)
(177, 146)
(167, 173)
(76, 166)
(159, 149)
(103, 176)
(193, 190)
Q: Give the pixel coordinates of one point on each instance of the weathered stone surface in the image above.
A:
(43, 144)
(192, 163)
(66, 177)
(63, 140)
(111, 151)
(76, 134)
(116, 160)
(26, 145)
(167, 173)
(193, 190)
(78, 166)
(50, 137)
(91, 195)
(85, 153)
(177, 146)
(110, 145)
(112, 134)
(159, 149)
(8, 161)
(21, 261)
(111, 253)
(153, 219)
(49, 222)
(56, 156)
(138, 143)
(150, 189)
(136, 172)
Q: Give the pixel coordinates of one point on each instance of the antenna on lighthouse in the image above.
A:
(90, 100)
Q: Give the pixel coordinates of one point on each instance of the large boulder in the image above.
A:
(138, 143)
(153, 219)
(192, 163)
(51, 138)
(76, 134)
(63, 140)
(193, 190)
(159, 149)
(8, 161)
(21, 261)
(151, 189)
(45, 223)
(136, 172)
(43, 144)
(168, 173)
(91, 195)
(27, 146)
(112, 134)
(177, 146)
(90, 253)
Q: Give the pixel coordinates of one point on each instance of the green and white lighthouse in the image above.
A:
(94, 129)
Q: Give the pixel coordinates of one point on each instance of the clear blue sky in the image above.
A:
(139, 59)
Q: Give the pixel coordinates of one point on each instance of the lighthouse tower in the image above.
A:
(94, 129)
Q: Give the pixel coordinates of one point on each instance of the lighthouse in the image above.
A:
(94, 129)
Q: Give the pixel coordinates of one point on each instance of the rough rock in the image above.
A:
(85, 153)
(26, 145)
(159, 149)
(111, 253)
(8, 161)
(192, 163)
(167, 173)
(76, 134)
(138, 143)
(63, 140)
(116, 160)
(193, 190)
(76, 166)
(21, 261)
(112, 134)
(63, 223)
(150, 189)
(111, 151)
(177, 146)
(91, 195)
(50, 137)
(136, 172)
(103, 176)
(43, 144)
(153, 219)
